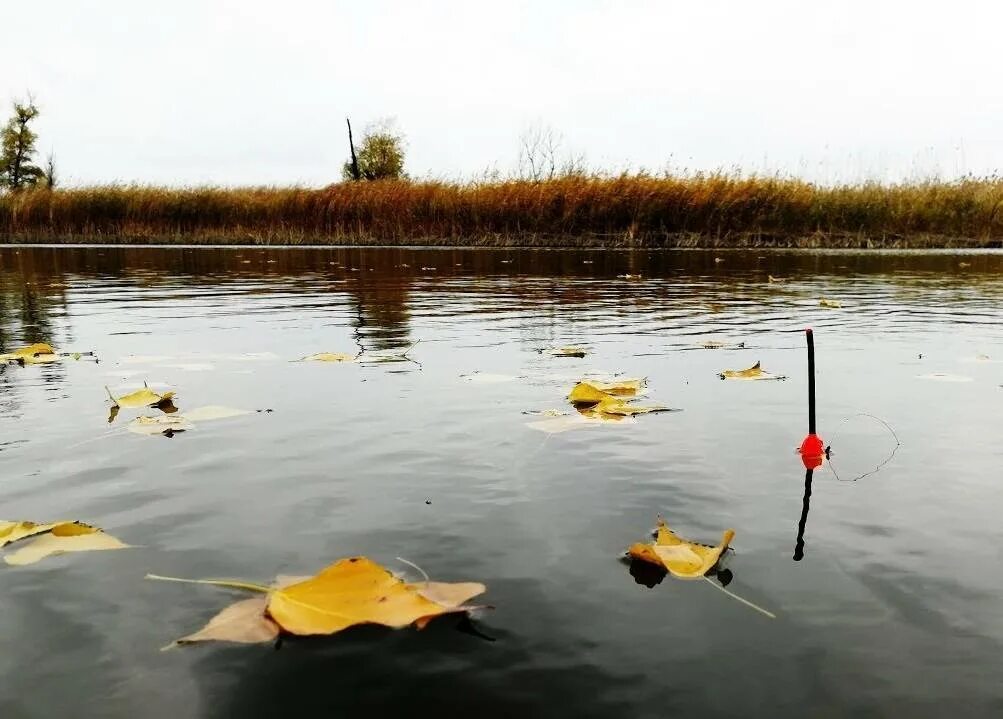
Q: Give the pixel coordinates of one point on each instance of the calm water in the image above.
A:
(894, 610)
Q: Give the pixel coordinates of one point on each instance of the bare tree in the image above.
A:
(542, 155)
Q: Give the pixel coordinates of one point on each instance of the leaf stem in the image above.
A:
(231, 583)
(746, 602)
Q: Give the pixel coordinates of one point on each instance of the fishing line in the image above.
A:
(746, 602)
(881, 464)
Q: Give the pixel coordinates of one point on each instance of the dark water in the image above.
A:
(894, 610)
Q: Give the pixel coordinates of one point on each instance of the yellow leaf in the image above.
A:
(329, 357)
(26, 353)
(618, 407)
(683, 559)
(145, 397)
(755, 372)
(244, 622)
(41, 358)
(831, 304)
(585, 394)
(773, 279)
(569, 351)
(61, 538)
(13, 531)
(352, 591)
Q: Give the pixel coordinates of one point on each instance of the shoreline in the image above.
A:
(676, 241)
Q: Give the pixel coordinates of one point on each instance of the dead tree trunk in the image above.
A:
(355, 162)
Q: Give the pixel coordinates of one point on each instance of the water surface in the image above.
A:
(894, 609)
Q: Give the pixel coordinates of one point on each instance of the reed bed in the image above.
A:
(715, 210)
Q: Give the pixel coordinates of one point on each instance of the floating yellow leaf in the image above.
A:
(353, 591)
(717, 345)
(145, 397)
(28, 352)
(628, 276)
(755, 372)
(773, 279)
(348, 592)
(568, 351)
(831, 304)
(683, 559)
(618, 407)
(329, 357)
(59, 538)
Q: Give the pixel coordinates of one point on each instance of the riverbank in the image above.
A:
(718, 211)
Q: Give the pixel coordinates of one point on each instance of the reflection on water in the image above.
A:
(892, 611)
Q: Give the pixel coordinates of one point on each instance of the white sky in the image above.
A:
(256, 92)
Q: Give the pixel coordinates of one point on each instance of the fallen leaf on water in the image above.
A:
(586, 396)
(329, 357)
(348, 592)
(31, 351)
(755, 372)
(567, 351)
(145, 397)
(718, 345)
(681, 558)
(771, 279)
(54, 538)
(628, 276)
(831, 304)
(620, 408)
(964, 264)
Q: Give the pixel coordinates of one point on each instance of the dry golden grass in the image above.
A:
(631, 210)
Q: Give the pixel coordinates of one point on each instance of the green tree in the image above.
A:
(380, 156)
(17, 149)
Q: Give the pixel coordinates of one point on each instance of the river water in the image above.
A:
(894, 609)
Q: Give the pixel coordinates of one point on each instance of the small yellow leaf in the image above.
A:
(755, 372)
(244, 622)
(62, 538)
(144, 397)
(773, 279)
(568, 351)
(329, 357)
(350, 591)
(585, 394)
(29, 352)
(683, 559)
(14, 531)
(831, 304)
(618, 407)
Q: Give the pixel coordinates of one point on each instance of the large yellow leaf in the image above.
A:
(683, 559)
(61, 538)
(145, 397)
(244, 622)
(354, 591)
(755, 372)
(620, 408)
(587, 396)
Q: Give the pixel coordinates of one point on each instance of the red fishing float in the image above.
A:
(812, 447)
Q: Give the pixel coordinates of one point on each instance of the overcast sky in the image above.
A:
(256, 91)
